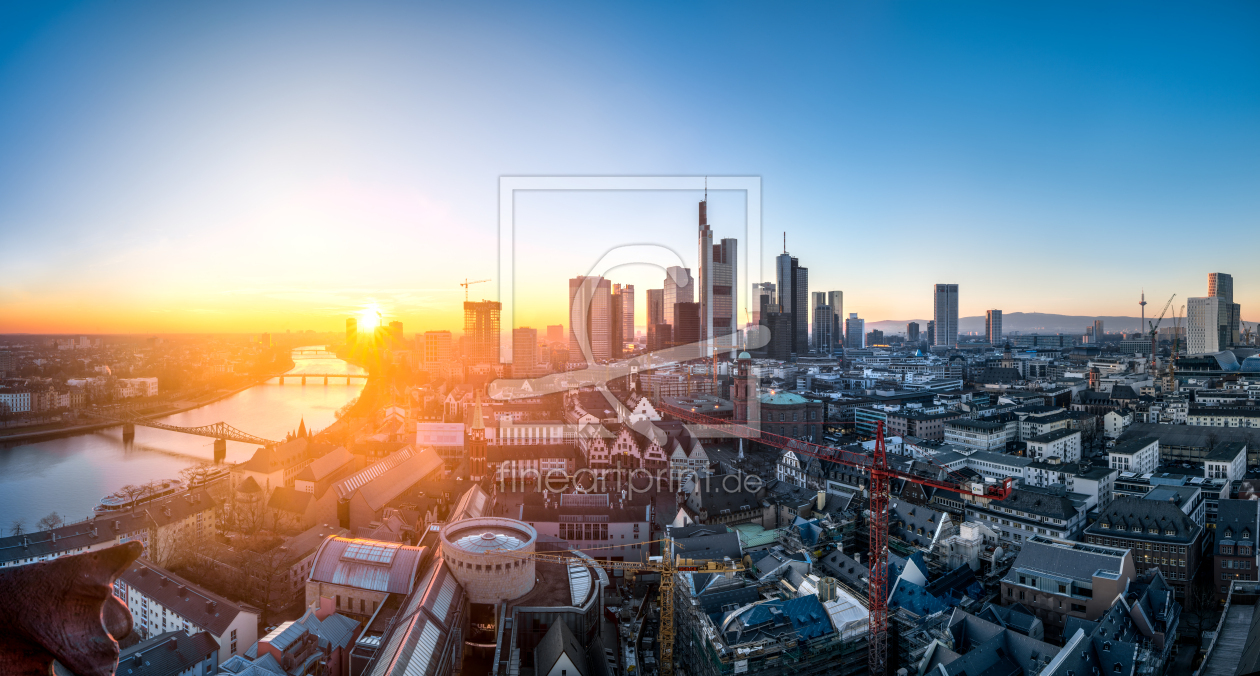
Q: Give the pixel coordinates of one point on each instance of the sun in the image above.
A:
(369, 318)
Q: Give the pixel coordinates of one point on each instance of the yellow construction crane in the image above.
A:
(668, 567)
(1246, 333)
(467, 284)
(1155, 332)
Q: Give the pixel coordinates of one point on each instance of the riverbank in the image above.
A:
(72, 430)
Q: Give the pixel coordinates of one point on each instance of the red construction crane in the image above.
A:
(881, 475)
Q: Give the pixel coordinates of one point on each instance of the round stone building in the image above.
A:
(487, 577)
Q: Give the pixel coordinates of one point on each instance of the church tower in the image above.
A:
(476, 443)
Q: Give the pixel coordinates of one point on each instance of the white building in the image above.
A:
(1227, 461)
(1139, 455)
(1207, 325)
(15, 401)
(790, 469)
(1062, 444)
(976, 434)
(1000, 465)
(1116, 422)
(161, 601)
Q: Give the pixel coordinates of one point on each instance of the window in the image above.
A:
(1078, 608)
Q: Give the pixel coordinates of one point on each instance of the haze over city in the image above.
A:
(645, 339)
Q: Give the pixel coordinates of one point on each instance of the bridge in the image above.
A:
(221, 432)
(325, 376)
(314, 350)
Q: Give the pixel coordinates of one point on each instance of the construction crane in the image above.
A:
(668, 567)
(879, 487)
(1154, 333)
(1246, 333)
(467, 284)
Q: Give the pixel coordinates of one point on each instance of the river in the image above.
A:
(70, 475)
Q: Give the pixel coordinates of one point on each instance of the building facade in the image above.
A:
(945, 314)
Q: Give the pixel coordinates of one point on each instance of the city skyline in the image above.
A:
(263, 203)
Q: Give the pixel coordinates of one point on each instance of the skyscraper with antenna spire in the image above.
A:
(717, 283)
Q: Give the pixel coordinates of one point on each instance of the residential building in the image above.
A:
(319, 641)
(915, 423)
(1062, 444)
(993, 326)
(945, 314)
(1159, 533)
(1235, 556)
(1029, 511)
(1227, 461)
(1059, 579)
(161, 601)
(1097, 483)
(1223, 416)
(1136, 454)
(174, 653)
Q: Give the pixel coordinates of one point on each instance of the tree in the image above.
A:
(131, 493)
(17, 527)
(53, 520)
(266, 566)
(1201, 606)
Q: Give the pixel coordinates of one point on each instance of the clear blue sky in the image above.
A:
(249, 166)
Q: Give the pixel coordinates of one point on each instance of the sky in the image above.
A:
(249, 167)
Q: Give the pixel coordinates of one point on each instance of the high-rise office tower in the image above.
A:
(823, 320)
(679, 288)
(626, 291)
(816, 300)
(1221, 285)
(717, 282)
(836, 300)
(686, 328)
(590, 317)
(854, 331)
(793, 281)
(655, 316)
(945, 314)
(993, 326)
(616, 340)
(1207, 324)
(555, 333)
(762, 295)
(437, 347)
(481, 331)
(912, 332)
(931, 333)
(524, 352)
(396, 332)
(352, 331)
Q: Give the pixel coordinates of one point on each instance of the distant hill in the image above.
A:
(1024, 322)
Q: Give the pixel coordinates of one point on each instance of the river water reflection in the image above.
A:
(70, 475)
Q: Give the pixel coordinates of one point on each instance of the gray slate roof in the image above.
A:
(1077, 561)
(166, 654)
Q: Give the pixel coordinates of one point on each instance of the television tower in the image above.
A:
(1142, 326)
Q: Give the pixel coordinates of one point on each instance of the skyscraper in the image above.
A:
(717, 281)
(912, 332)
(616, 340)
(655, 317)
(686, 329)
(931, 333)
(854, 331)
(993, 326)
(1098, 331)
(836, 300)
(823, 320)
(481, 331)
(678, 289)
(800, 313)
(524, 352)
(817, 300)
(555, 333)
(627, 311)
(1207, 324)
(945, 314)
(437, 347)
(590, 305)
(1221, 285)
(762, 295)
(396, 332)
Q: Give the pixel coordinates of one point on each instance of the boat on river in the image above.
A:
(118, 502)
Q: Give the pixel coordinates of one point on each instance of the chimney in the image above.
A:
(822, 500)
(173, 644)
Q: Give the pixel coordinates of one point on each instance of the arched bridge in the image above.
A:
(219, 431)
(325, 376)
